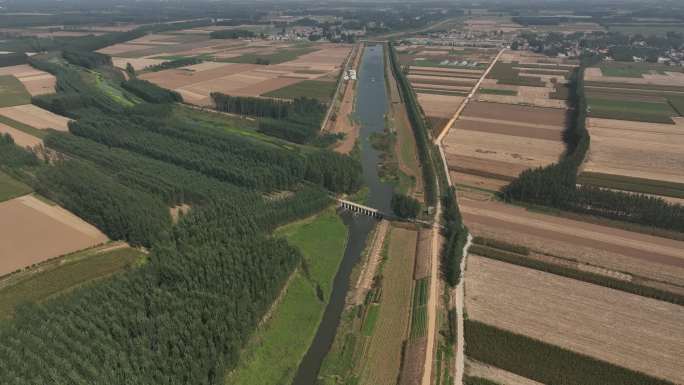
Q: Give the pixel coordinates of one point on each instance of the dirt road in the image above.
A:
(459, 291)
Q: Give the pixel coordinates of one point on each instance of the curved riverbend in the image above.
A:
(371, 107)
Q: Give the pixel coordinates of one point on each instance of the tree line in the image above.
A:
(87, 59)
(232, 34)
(556, 185)
(419, 126)
(298, 121)
(150, 92)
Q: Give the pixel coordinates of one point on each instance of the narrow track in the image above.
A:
(457, 293)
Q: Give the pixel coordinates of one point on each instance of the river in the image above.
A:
(371, 106)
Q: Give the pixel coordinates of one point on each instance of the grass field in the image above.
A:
(628, 183)
(281, 56)
(319, 89)
(11, 188)
(12, 92)
(273, 354)
(631, 110)
(55, 277)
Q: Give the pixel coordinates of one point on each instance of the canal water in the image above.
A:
(371, 106)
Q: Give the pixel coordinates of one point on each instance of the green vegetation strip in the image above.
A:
(12, 92)
(596, 279)
(278, 57)
(631, 110)
(57, 277)
(38, 133)
(11, 188)
(505, 73)
(634, 184)
(543, 362)
(419, 308)
(318, 89)
(371, 320)
(496, 91)
(274, 353)
(468, 380)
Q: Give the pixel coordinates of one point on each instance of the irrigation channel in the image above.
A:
(371, 106)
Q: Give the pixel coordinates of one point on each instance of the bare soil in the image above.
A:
(645, 150)
(509, 129)
(36, 117)
(32, 231)
(382, 361)
(492, 373)
(621, 328)
(443, 106)
(21, 138)
(524, 151)
(477, 181)
(516, 113)
(615, 249)
(486, 167)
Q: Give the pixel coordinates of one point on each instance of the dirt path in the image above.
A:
(459, 291)
(459, 302)
(432, 301)
(368, 271)
(344, 115)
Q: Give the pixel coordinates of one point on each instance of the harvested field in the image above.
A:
(481, 182)
(484, 167)
(414, 357)
(585, 318)
(36, 117)
(499, 376)
(666, 78)
(21, 138)
(523, 151)
(441, 80)
(37, 82)
(137, 63)
(637, 149)
(244, 78)
(442, 87)
(423, 254)
(523, 114)
(443, 106)
(33, 231)
(518, 130)
(383, 355)
(615, 249)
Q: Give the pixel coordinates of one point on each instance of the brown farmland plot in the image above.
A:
(628, 330)
(32, 231)
(383, 356)
(37, 117)
(619, 250)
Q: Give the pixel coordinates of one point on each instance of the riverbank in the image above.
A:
(276, 350)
